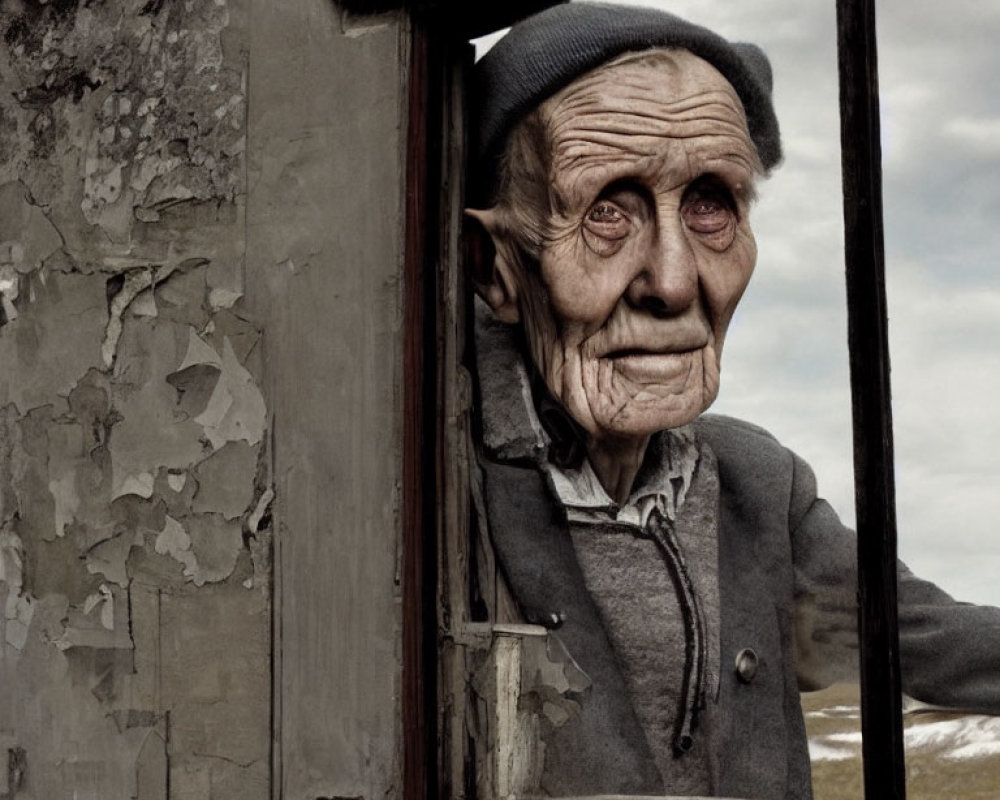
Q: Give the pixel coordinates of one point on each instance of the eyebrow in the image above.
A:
(571, 186)
(744, 190)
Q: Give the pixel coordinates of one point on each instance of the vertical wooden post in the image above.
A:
(423, 173)
(881, 710)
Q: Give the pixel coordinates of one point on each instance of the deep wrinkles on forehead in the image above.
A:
(596, 124)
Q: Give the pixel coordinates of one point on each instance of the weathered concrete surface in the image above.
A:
(134, 533)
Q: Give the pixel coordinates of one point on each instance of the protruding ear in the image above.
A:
(490, 259)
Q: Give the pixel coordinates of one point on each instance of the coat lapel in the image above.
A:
(603, 750)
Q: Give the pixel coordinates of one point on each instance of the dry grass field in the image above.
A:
(948, 756)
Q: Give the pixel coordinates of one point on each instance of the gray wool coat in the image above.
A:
(787, 590)
(787, 580)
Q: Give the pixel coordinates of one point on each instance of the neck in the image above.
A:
(616, 462)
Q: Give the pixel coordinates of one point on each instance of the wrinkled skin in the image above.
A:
(647, 250)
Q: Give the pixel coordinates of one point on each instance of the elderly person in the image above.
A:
(683, 560)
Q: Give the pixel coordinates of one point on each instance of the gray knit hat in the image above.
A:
(549, 50)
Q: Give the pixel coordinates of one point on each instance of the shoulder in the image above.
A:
(753, 462)
(719, 425)
(741, 444)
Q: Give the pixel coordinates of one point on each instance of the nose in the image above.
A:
(667, 282)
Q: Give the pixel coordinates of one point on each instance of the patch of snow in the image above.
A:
(841, 712)
(975, 750)
(972, 736)
(852, 737)
(822, 752)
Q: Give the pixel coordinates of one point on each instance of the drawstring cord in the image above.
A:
(661, 531)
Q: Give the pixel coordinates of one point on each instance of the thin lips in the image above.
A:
(646, 351)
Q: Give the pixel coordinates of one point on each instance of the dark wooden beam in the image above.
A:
(369, 6)
(881, 706)
(471, 19)
(460, 19)
(438, 32)
(419, 404)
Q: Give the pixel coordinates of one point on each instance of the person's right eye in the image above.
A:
(607, 220)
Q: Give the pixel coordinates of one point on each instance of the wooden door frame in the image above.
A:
(439, 57)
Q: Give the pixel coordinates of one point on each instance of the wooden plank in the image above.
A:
(454, 438)
(881, 706)
(324, 255)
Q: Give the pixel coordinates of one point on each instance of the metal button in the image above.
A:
(746, 664)
(553, 620)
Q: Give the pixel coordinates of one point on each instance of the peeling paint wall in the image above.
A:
(135, 488)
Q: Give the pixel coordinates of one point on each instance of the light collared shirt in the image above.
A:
(662, 484)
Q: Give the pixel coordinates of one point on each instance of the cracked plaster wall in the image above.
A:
(134, 489)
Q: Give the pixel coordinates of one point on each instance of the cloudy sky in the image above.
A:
(786, 364)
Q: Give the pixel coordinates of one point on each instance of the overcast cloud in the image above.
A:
(786, 366)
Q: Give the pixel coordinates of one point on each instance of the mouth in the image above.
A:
(631, 352)
(665, 367)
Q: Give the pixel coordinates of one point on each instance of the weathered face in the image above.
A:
(647, 246)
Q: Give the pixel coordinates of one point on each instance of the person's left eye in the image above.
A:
(707, 214)
(708, 209)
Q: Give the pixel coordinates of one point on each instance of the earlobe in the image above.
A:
(489, 260)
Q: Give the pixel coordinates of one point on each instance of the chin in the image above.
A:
(645, 420)
(633, 401)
